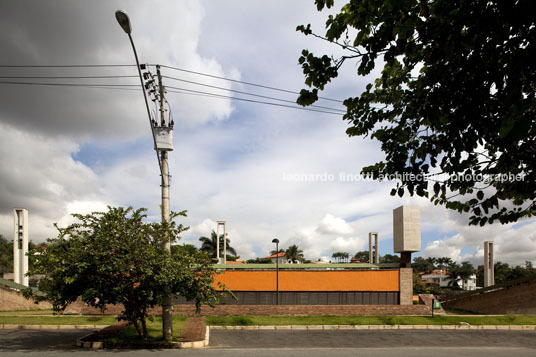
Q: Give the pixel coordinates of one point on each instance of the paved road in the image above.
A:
(39, 340)
(371, 338)
(39, 343)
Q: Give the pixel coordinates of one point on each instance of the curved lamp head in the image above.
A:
(275, 240)
(123, 20)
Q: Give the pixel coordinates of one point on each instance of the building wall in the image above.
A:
(296, 280)
(406, 286)
(306, 298)
(267, 310)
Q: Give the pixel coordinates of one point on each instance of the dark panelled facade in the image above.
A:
(309, 298)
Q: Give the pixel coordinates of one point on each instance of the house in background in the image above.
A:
(442, 278)
(278, 258)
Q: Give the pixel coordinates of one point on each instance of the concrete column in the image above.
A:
(489, 266)
(370, 254)
(374, 256)
(406, 286)
(20, 246)
(376, 249)
(224, 259)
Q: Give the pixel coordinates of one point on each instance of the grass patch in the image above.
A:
(26, 312)
(58, 320)
(369, 320)
(154, 328)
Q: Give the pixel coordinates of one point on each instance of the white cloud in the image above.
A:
(444, 248)
(333, 225)
(39, 174)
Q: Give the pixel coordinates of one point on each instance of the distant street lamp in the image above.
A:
(276, 241)
(161, 154)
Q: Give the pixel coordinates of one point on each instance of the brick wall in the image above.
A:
(307, 310)
(517, 299)
(406, 286)
(272, 310)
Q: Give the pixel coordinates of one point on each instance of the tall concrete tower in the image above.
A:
(406, 240)
(374, 256)
(223, 259)
(406, 232)
(20, 246)
(489, 267)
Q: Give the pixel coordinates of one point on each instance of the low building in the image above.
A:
(316, 284)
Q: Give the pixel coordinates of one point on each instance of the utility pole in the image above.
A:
(163, 142)
(167, 301)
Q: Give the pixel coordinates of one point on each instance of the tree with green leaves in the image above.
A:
(460, 273)
(362, 256)
(389, 258)
(341, 256)
(180, 249)
(443, 262)
(115, 257)
(454, 105)
(294, 253)
(6, 255)
(422, 265)
(209, 245)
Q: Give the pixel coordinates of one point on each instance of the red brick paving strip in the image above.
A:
(194, 330)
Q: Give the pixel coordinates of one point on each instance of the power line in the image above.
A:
(176, 90)
(251, 94)
(65, 77)
(68, 66)
(163, 66)
(242, 82)
(182, 90)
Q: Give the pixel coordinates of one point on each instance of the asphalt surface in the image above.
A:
(371, 338)
(40, 340)
(236, 343)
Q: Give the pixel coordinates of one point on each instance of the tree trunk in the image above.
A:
(144, 327)
(137, 326)
(143, 322)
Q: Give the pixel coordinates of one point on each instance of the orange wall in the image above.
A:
(265, 280)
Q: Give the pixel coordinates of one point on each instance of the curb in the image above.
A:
(149, 345)
(380, 327)
(50, 327)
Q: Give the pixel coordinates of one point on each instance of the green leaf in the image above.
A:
(506, 126)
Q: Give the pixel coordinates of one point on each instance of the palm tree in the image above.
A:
(294, 253)
(443, 262)
(460, 273)
(336, 255)
(208, 245)
(345, 256)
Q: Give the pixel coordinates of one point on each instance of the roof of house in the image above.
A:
(280, 254)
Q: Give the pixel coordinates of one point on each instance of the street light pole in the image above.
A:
(162, 156)
(276, 241)
(167, 301)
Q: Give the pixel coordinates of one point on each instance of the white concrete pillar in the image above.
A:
(489, 265)
(20, 246)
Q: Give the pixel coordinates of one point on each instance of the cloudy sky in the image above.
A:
(72, 149)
